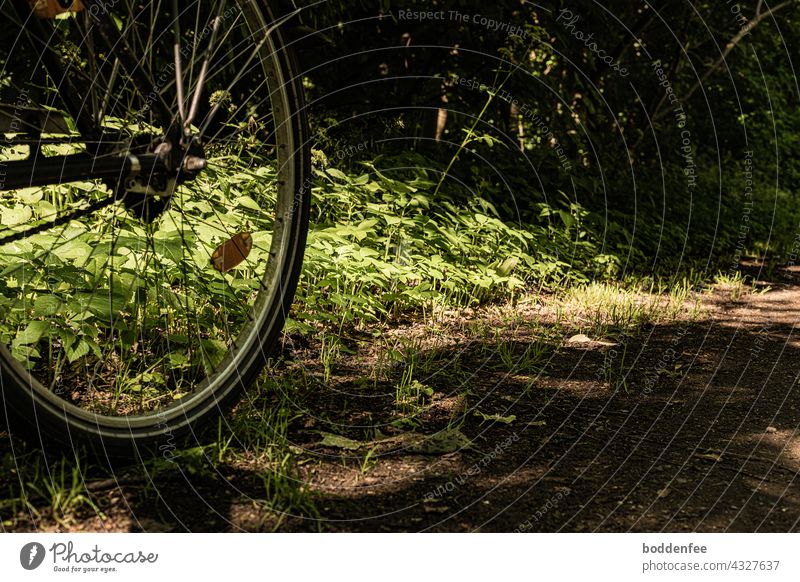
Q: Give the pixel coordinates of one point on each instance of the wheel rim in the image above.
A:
(124, 323)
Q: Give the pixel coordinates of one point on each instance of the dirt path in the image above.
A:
(689, 426)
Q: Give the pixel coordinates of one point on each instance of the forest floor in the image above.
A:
(601, 410)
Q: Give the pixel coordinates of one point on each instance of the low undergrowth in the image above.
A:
(383, 245)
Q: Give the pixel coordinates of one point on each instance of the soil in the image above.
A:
(696, 431)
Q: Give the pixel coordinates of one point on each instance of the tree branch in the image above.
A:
(732, 44)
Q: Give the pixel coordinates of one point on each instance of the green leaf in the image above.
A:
(495, 417)
(29, 195)
(566, 218)
(46, 305)
(74, 251)
(508, 266)
(15, 216)
(446, 441)
(171, 246)
(249, 203)
(33, 333)
(338, 174)
(339, 442)
(212, 353)
(97, 304)
(178, 360)
(78, 351)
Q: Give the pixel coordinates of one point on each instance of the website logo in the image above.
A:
(31, 555)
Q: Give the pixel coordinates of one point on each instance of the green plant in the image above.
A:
(369, 462)
(222, 445)
(732, 284)
(285, 491)
(614, 368)
(22, 470)
(329, 352)
(64, 488)
(521, 357)
(381, 248)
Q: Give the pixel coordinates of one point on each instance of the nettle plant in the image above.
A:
(388, 242)
(110, 281)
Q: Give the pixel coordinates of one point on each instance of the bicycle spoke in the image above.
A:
(113, 300)
(259, 47)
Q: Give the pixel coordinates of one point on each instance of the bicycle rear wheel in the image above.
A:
(134, 309)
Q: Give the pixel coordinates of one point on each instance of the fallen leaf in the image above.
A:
(339, 442)
(708, 456)
(495, 417)
(436, 508)
(446, 441)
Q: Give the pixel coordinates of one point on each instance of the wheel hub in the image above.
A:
(148, 195)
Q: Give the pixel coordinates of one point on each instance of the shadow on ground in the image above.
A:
(685, 427)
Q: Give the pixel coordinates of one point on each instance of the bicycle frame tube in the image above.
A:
(39, 170)
(63, 169)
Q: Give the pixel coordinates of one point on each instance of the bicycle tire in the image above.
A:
(50, 419)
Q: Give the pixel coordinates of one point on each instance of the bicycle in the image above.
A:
(154, 201)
